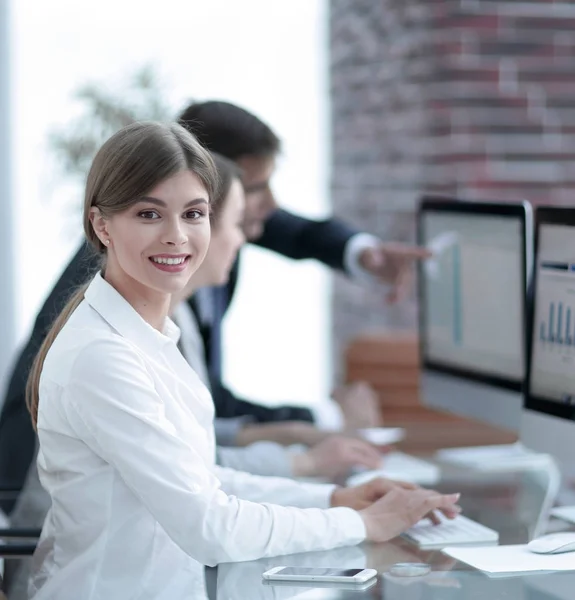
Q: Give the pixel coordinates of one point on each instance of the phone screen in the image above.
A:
(319, 572)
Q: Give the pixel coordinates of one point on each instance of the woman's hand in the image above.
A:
(402, 508)
(334, 456)
(365, 495)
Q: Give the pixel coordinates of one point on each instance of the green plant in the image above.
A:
(104, 111)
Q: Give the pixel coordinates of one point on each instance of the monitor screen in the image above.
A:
(552, 371)
(473, 291)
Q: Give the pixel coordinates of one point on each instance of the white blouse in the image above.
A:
(127, 456)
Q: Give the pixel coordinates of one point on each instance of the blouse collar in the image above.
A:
(122, 316)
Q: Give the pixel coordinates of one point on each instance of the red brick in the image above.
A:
(460, 98)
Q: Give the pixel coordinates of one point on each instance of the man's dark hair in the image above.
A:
(229, 130)
(227, 172)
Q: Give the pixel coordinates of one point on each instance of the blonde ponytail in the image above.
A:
(33, 383)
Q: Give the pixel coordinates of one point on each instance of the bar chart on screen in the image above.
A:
(556, 313)
(554, 349)
(556, 322)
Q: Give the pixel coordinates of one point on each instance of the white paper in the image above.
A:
(383, 436)
(501, 560)
(437, 246)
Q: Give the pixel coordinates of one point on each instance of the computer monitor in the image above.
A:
(473, 307)
(548, 421)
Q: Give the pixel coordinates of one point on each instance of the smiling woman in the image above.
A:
(147, 196)
(125, 426)
(155, 245)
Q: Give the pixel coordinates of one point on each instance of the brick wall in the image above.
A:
(474, 98)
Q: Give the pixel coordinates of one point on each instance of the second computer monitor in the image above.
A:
(473, 306)
(548, 422)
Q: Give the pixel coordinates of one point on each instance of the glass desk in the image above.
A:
(514, 504)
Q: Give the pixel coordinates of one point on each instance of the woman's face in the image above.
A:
(227, 239)
(161, 240)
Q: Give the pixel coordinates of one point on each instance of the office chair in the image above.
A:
(26, 537)
(16, 542)
(17, 550)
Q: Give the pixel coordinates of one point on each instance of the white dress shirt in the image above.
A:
(352, 255)
(127, 456)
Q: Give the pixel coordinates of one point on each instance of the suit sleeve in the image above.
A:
(229, 406)
(17, 437)
(300, 238)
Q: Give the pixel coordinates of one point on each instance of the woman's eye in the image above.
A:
(149, 214)
(194, 215)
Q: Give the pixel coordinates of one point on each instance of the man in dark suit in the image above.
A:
(242, 137)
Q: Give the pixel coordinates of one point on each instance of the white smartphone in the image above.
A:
(321, 575)
(349, 587)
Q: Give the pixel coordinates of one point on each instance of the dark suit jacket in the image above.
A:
(284, 233)
(294, 237)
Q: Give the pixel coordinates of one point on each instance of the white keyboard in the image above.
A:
(504, 457)
(566, 513)
(460, 531)
(402, 467)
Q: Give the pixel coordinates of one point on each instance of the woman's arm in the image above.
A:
(263, 458)
(286, 433)
(112, 405)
